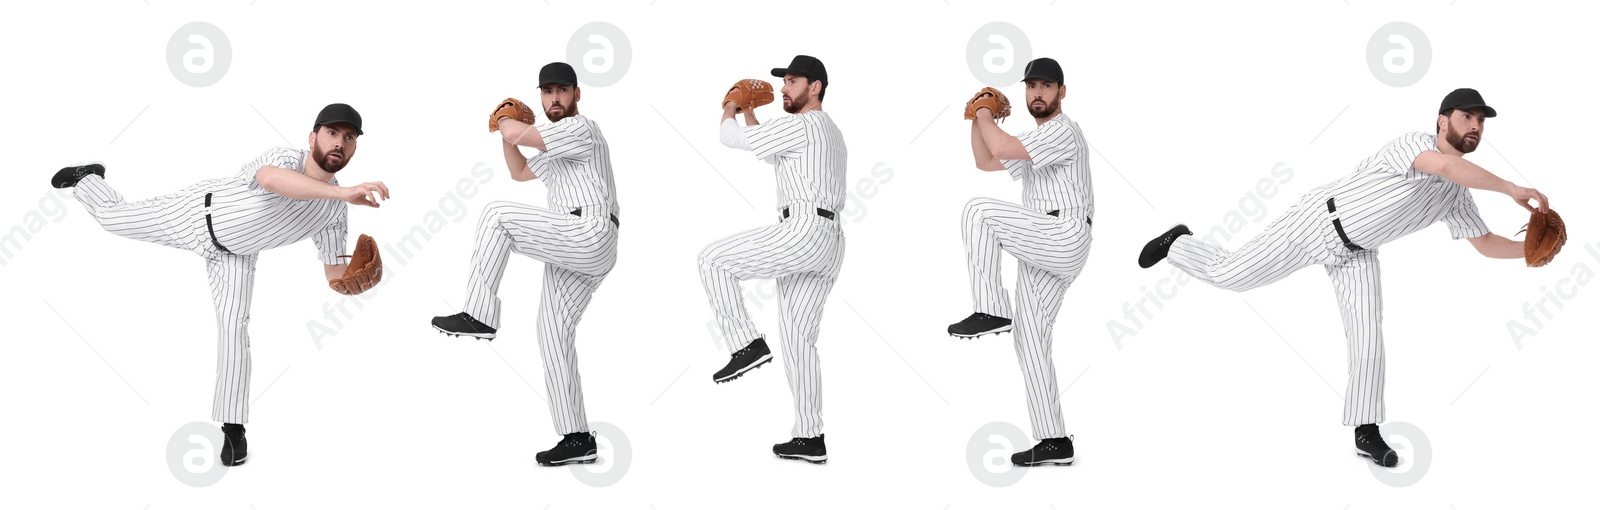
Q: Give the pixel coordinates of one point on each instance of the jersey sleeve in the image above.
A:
(776, 137)
(281, 157)
(1403, 151)
(568, 139)
(1463, 218)
(1047, 146)
(330, 240)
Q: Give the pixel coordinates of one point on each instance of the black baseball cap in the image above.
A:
(1465, 99)
(337, 113)
(804, 65)
(1043, 68)
(559, 73)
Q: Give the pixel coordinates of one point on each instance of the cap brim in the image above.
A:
(568, 83)
(778, 72)
(345, 122)
(1488, 111)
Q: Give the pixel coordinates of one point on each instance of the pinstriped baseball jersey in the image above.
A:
(1057, 175)
(249, 219)
(1386, 197)
(575, 165)
(809, 154)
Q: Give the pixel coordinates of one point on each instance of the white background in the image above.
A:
(1214, 397)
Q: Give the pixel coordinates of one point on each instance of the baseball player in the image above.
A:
(1412, 182)
(282, 197)
(575, 237)
(803, 250)
(1049, 234)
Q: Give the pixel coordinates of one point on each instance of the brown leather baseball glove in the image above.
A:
(990, 98)
(748, 94)
(365, 269)
(1546, 235)
(513, 108)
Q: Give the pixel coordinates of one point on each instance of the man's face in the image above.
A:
(333, 145)
(797, 91)
(1044, 98)
(1463, 129)
(560, 101)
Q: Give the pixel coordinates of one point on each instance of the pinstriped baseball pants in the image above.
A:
(578, 252)
(804, 254)
(176, 220)
(1302, 237)
(1051, 252)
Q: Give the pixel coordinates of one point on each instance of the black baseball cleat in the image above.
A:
(809, 449)
(1156, 249)
(234, 449)
(1370, 444)
(1056, 451)
(69, 176)
(574, 448)
(979, 324)
(462, 324)
(747, 359)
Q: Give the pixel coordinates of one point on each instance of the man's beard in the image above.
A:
(566, 111)
(1049, 110)
(1459, 141)
(796, 104)
(332, 167)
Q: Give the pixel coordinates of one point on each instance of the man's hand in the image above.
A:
(1522, 195)
(334, 272)
(366, 193)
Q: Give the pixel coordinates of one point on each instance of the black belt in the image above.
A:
(820, 212)
(1086, 219)
(579, 212)
(211, 231)
(1340, 229)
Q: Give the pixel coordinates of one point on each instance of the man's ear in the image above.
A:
(816, 88)
(311, 139)
(1061, 91)
(1444, 120)
(577, 94)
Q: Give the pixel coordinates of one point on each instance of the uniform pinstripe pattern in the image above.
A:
(576, 165)
(1056, 177)
(247, 219)
(804, 252)
(233, 280)
(1384, 199)
(578, 251)
(809, 154)
(1051, 252)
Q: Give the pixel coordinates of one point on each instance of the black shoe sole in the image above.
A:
(586, 459)
(235, 462)
(1047, 462)
(740, 373)
(814, 459)
(995, 332)
(457, 334)
(1387, 456)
